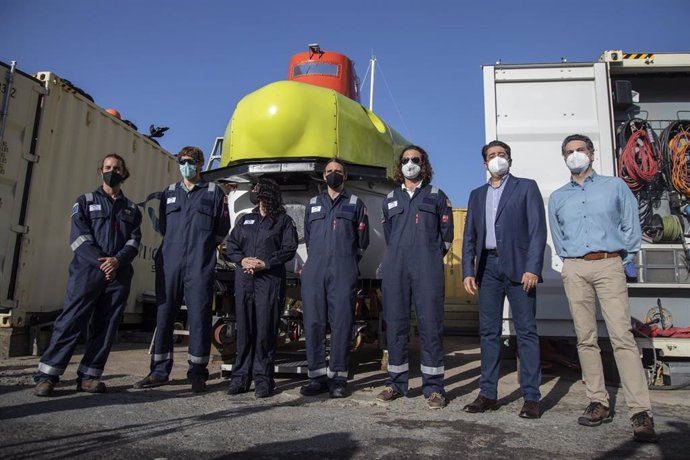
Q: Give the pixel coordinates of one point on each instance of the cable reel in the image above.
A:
(675, 147)
(666, 229)
(660, 316)
(641, 166)
(639, 155)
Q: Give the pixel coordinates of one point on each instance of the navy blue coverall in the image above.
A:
(418, 233)
(259, 297)
(336, 233)
(101, 227)
(193, 223)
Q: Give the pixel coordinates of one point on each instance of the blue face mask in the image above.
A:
(187, 170)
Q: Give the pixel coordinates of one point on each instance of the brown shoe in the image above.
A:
(91, 386)
(436, 401)
(595, 414)
(149, 382)
(643, 428)
(44, 388)
(481, 404)
(530, 409)
(389, 394)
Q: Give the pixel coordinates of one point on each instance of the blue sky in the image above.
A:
(186, 64)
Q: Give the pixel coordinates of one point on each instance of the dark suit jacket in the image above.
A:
(520, 230)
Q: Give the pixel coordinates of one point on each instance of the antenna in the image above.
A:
(372, 63)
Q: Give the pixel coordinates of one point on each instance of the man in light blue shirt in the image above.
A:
(595, 229)
(598, 215)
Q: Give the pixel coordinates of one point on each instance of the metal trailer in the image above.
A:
(534, 107)
(53, 137)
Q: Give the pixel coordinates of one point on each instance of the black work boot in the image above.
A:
(339, 390)
(198, 384)
(313, 388)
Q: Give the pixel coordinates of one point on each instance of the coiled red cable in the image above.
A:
(640, 160)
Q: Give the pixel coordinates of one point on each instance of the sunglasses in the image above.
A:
(415, 160)
(185, 161)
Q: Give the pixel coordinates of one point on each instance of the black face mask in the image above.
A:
(335, 180)
(112, 179)
(254, 197)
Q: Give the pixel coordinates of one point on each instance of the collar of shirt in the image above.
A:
(119, 196)
(591, 178)
(411, 192)
(343, 193)
(503, 181)
(199, 184)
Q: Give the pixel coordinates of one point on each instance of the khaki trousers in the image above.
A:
(582, 279)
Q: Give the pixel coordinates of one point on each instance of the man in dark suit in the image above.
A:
(503, 252)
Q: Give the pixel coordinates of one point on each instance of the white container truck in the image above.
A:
(533, 107)
(52, 139)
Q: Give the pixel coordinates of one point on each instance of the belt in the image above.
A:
(491, 252)
(599, 255)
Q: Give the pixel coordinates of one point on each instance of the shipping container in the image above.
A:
(533, 107)
(54, 138)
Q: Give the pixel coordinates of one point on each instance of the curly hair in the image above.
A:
(426, 173)
(194, 153)
(269, 193)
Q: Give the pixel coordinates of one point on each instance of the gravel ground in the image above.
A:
(172, 422)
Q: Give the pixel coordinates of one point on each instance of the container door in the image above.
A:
(533, 108)
(16, 156)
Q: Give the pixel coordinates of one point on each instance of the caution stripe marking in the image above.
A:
(638, 56)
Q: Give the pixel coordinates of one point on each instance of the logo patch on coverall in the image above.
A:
(94, 207)
(392, 204)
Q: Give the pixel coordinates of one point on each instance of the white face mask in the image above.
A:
(577, 162)
(499, 166)
(411, 170)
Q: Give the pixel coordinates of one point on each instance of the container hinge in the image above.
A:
(41, 90)
(9, 304)
(30, 158)
(23, 229)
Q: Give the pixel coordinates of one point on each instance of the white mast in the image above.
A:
(372, 63)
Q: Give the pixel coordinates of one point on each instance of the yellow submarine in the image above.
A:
(298, 124)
